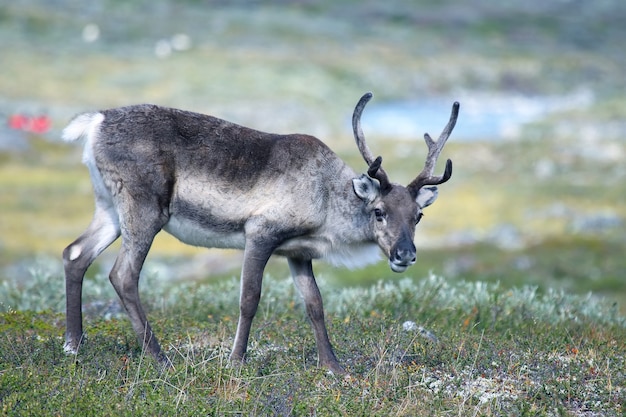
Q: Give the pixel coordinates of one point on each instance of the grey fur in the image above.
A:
(213, 183)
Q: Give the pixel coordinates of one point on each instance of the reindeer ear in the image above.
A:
(366, 188)
(426, 196)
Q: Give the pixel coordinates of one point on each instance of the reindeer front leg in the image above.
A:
(302, 272)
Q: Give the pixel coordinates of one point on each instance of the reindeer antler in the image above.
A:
(375, 170)
(426, 177)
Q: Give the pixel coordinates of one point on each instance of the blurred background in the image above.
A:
(538, 193)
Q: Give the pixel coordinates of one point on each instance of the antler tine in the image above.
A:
(426, 177)
(375, 170)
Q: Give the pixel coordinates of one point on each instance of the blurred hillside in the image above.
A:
(537, 195)
(306, 61)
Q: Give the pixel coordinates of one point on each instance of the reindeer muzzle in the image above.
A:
(402, 257)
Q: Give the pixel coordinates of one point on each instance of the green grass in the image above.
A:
(477, 349)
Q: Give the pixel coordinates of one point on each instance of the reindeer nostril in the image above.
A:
(404, 256)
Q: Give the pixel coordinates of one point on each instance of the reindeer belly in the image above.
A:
(194, 233)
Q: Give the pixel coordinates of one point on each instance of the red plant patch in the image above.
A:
(36, 124)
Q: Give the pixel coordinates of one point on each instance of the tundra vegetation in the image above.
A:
(516, 303)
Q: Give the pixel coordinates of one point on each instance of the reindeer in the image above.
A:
(216, 184)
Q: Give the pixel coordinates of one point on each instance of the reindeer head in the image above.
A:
(394, 209)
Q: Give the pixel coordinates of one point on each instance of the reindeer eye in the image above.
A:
(419, 217)
(380, 215)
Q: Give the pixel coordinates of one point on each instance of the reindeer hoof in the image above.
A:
(70, 347)
(236, 362)
(334, 368)
(165, 362)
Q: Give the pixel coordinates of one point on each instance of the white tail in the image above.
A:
(82, 125)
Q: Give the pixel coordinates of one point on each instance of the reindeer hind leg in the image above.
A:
(137, 238)
(77, 257)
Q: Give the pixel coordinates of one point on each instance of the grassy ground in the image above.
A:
(433, 348)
